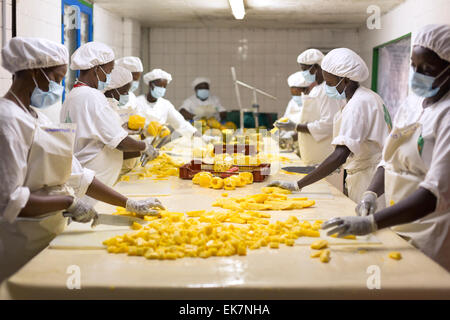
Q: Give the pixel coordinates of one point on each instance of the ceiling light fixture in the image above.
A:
(237, 7)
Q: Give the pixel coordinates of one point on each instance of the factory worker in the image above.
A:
(315, 125)
(414, 173)
(202, 104)
(101, 144)
(359, 129)
(134, 65)
(155, 108)
(40, 176)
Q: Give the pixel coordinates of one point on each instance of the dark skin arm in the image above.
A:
(41, 204)
(131, 145)
(334, 161)
(302, 128)
(186, 114)
(131, 155)
(377, 184)
(416, 206)
(223, 116)
(102, 192)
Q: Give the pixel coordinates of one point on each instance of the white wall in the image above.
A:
(271, 56)
(5, 76)
(407, 17)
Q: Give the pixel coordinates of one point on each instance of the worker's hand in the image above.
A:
(286, 126)
(197, 134)
(131, 131)
(81, 211)
(288, 185)
(210, 139)
(150, 151)
(287, 135)
(368, 204)
(345, 226)
(146, 207)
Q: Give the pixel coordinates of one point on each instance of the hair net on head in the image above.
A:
(297, 80)
(435, 37)
(91, 54)
(134, 64)
(157, 74)
(119, 77)
(345, 63)
(310, 57)
(199, 80)
(33, 53)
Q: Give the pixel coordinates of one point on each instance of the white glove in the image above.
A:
(368, 204)
(345, 226)
(287, 134)
(288, 185)
(286, 126)
(144, 207)
(150, 151)
(210, 139)
(82, 212)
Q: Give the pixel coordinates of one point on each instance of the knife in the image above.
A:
(113, 220)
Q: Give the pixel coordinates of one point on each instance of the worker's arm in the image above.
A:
(131, 155)
(223, 115)
(102, 192)
(131, 145)
(40, 204)
(302, 128)
(331, 163)
(186, 114)
(419, 204)
(377, 184)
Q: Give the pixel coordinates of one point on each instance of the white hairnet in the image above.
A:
(32, 53)
(310, 57)
(91, 54)
(157, 74)
(119, 77)
(297, 80)
(435, 37)
(134, 64)
(199, 80)
(345, 63)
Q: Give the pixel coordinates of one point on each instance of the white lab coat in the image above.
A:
(211, 107)
(361, 127)
(37, 157)
(292, 111)
(417, 154)
(163, 112)
(99, 132)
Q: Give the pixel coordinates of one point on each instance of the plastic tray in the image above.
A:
(260, 172)
(248, 150)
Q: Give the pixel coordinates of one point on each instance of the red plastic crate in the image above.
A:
(260, 172)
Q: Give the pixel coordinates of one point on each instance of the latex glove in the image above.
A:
(288, 185)
(82, 212)
(210, 139)
(345, 226)
(287, 134)
(368, 204)
(150, 151)
(144, 207)
(286, 126)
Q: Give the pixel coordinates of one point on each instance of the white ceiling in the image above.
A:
(259, 13)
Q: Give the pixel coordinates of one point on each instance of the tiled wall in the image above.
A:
(5, 76)
(262, 57)
(407, 17)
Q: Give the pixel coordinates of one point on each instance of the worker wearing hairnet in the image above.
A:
(202, 104)
(359, 129)
(118, 94)
(315, 125)
(414, 174)
(101, 143)
(155, 108)
(41, 177)
(134, 65)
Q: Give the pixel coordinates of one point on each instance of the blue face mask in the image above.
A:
(298, 100)
(102, 85)
(124, 98)
(44, 99)
(158, 92)
(333, 92)
(310, 78)
(422, 85)
(203, 94)
(134, 86)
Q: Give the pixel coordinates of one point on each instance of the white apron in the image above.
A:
(361, 169)
(404, 171)
(312, 152)
(49, 168)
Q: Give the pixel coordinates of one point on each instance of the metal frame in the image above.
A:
(375, 61)
(85, 8)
